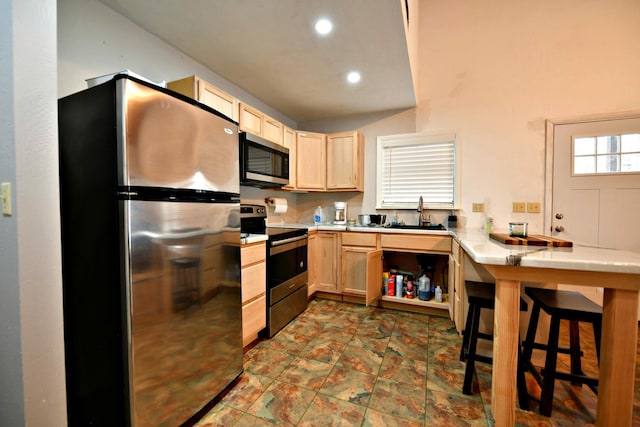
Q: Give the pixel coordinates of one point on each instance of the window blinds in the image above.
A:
(411, 169)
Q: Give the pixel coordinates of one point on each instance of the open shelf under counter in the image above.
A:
(417, 305)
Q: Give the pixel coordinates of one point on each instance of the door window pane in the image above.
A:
(584, 165)
(608, 144)
(584, 146)
(631, 143)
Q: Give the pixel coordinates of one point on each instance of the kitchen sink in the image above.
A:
(419, 227)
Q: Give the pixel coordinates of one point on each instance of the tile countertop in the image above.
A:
(484, 250)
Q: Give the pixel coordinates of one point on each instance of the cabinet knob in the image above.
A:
(559, 228)
(559, 215)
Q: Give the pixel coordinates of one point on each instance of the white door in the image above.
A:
(595, 198)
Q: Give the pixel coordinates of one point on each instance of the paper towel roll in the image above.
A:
(279, 204)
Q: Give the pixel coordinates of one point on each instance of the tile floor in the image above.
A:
(342, 364)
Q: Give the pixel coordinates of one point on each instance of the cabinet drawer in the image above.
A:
(254, 281)
(250, 254)
(254, 319)
(359, 239)
(415, 242)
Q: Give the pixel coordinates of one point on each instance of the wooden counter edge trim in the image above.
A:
(628, 281)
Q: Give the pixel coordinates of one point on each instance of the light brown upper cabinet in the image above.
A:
(328, 162)
(311, 160)
(258, 123)
(289, 141)
(206, 93)
(345, 161)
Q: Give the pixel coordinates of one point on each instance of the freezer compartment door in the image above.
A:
(167, 142)
(184, 306)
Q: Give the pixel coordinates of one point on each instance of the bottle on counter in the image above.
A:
(317, 216)
(438, 294)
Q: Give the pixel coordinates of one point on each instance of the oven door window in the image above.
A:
(286, 262)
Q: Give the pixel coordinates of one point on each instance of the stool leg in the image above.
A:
(531, 336)
(549, 378)
(597, 334)
(523, 395)
(465, 334)
(471, 353)
(574, 349)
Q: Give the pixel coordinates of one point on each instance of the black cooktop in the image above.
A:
(277, 233)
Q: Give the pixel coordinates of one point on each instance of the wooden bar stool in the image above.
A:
(482, 295)
(567, 305)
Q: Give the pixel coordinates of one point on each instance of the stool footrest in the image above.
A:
(564, 350)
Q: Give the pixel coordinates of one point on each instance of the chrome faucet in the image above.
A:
(422, 220)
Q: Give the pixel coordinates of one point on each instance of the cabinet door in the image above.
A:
(327, 262)
(272, 130)
(345, 161)
(206, 93)
(289, 141)
(217, 99)
(456, 287)
(354, 269)
(250, 120)
(374, 277)
(311, 161)
(312, 262)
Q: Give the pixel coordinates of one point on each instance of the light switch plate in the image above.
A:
(533, 207)
(477, 207)
(519, 207)
(5, 197)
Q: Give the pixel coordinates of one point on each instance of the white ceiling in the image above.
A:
(270, 49)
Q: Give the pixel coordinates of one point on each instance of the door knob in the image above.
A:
(559, 215)
(559, 228)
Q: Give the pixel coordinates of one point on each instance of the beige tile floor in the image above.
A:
(342, 364)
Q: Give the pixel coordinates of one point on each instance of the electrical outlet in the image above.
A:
(478, 207)
(519, 207)
(533, 207)
(5, 197)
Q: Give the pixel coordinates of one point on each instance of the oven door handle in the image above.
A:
(289, 240)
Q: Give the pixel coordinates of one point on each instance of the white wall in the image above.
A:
(32, 355)
(93, 40)
(11, 390)
(495, 71)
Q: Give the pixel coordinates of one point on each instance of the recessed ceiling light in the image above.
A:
(353, 77)
(323, 26)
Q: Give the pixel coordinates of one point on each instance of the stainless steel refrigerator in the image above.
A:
(150, 208)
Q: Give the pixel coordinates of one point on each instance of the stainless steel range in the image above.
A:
(286, 267)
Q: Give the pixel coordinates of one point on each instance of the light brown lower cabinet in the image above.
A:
(405, 245)
(355, 248)
(254, 282)
(358, 257)
(456, 286)
(324, 263)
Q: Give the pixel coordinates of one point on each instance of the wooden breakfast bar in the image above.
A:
(618, 272)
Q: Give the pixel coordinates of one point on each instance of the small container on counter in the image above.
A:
(518, 229)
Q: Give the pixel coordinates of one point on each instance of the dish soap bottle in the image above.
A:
(317, 216)
(438, 294)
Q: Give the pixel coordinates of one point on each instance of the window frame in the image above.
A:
(419, 138)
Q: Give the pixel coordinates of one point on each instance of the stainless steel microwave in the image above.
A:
(263, 164)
